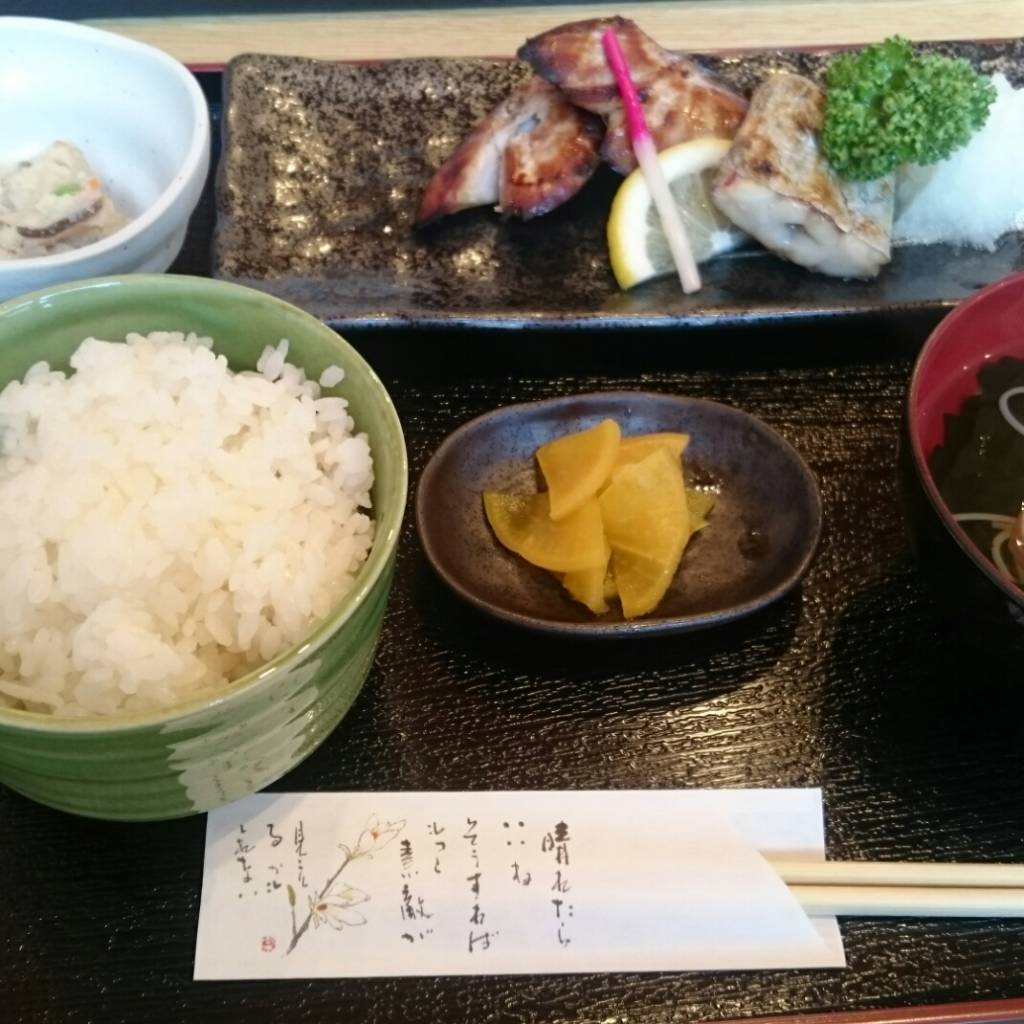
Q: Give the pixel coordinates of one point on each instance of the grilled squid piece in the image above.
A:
(52, 203)
(533, 152)
(776, 184)
(681, 100)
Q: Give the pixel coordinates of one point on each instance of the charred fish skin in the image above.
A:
(680, 103)
(547, 164)
(776, 184)
(469, 177)
(681, 99)
(571, 56)
(530, 154)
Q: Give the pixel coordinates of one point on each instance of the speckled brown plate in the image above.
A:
(322, 169)
(759, 541)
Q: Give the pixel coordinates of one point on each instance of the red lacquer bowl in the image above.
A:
(986, 327)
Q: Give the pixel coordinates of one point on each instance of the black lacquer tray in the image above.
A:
(852, 682)
(324, 165)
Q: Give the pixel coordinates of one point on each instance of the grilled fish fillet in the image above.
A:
(681, 100)
(776, 184)
(572, 57)
(530, 154)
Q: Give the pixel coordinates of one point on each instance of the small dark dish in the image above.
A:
(979, 598)
(759, 541)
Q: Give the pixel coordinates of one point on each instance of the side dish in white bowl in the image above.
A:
(103, 157)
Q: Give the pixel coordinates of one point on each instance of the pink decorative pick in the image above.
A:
(647, 158)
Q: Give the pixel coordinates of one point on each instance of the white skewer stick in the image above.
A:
(675, 232)
(647, 158)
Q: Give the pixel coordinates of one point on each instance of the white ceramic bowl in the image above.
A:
(137, 114)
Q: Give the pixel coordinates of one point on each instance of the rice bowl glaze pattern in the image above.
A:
(198, 760)
(211, 751)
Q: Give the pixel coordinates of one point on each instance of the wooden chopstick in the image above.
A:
(908, 901)
(987, 1011)
(898, 873)
(903, 888)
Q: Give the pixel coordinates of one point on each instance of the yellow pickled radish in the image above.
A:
(524, 525)
(588, 586)
(647, 523)
(611, 591)
(630, 516)
(577, 466)
(639, 446)
(641, 581)
(644, 508)
(699, 504)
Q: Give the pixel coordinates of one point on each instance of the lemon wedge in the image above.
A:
(636, 243)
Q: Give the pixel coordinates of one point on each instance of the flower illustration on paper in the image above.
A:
(374, 837)
(336, 905)
(337, 909)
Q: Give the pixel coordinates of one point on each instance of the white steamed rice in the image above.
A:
(166, 524)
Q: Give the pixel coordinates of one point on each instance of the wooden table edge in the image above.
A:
(700, 26)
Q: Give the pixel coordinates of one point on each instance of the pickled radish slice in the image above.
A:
(524, 525)
(577, 466)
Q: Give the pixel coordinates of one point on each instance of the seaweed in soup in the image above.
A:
(979, 467)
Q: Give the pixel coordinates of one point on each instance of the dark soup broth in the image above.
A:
(979, 467)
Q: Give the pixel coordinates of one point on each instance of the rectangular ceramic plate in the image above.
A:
(322, 170)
